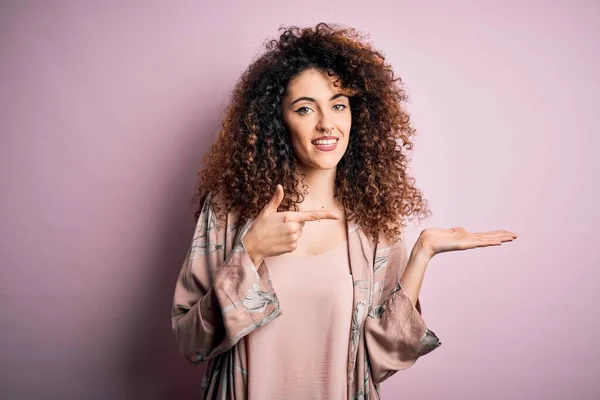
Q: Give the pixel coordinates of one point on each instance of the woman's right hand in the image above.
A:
(274, 233)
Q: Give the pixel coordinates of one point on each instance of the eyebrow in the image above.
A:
(335, 96)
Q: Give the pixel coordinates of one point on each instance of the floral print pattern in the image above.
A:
(221, 296)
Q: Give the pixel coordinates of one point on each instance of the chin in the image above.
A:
(327, 166)
(314, 166)
(320, 161)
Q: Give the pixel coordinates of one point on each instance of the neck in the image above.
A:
(321, 186)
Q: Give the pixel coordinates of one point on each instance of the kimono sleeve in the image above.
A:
(218, 301)
(395, 333)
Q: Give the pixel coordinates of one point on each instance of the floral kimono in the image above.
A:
(220, 297)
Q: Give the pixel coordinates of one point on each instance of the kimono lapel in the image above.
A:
(360, 251)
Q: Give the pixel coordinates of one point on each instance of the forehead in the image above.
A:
(313, 82)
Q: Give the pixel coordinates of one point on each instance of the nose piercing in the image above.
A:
(327, 132)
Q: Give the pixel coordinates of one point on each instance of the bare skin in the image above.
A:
(274, 232)
(435, 241)
(313, 106)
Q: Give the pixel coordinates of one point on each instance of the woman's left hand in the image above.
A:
(435, 241)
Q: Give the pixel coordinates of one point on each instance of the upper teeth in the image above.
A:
(325, 141)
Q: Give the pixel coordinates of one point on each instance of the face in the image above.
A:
(318, 118)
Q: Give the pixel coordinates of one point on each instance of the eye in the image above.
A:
(303, 110)
(343, 106)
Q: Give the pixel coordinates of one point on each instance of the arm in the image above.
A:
(396, 335)
(414, 273)
(217, 302)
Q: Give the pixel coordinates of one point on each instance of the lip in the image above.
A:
(325, 138)
(323, 147)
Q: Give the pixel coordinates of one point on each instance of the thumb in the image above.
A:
(271, 207)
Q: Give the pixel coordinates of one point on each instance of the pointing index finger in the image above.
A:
(312, 215)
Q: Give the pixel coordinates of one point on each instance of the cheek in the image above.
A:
(300, 145)
(344, 122)
(299, 132)
(348, 123)
(295, 139)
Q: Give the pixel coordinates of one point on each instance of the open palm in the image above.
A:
(457, 238)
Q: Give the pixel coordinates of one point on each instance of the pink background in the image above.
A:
(107, 108)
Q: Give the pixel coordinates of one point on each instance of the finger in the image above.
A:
(497, 232)
(496, 235)
(292, 246)
(500, 236)
(275, 201)
(488, 233)
(295, 226)
(490, 242)
(305, 216)
(295, 236)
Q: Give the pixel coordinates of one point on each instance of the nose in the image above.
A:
(325, 123)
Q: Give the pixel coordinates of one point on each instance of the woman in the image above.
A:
(298, 283)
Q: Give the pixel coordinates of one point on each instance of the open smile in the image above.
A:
(325, 144)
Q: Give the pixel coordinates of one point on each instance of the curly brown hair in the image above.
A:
(252, 152)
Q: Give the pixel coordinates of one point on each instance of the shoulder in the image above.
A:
(215, 212)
